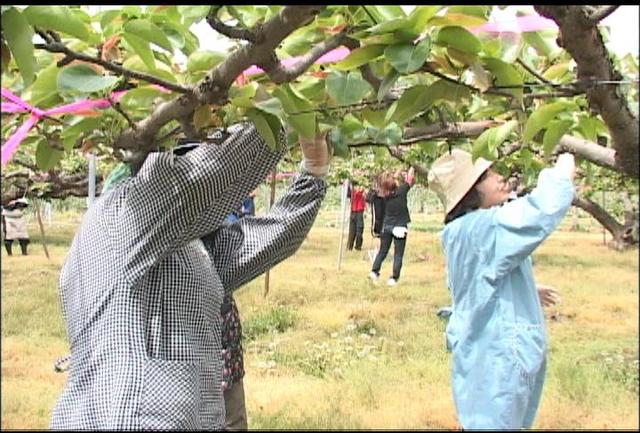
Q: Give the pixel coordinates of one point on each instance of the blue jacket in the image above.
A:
(496, 331)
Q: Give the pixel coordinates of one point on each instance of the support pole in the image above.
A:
(343, 206)
(36, 203)
(92, 180)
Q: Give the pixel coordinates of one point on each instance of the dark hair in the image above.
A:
(470, 202)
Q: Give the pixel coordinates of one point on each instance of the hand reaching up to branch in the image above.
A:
(317, 154)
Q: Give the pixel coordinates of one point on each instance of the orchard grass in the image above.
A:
(327, 349)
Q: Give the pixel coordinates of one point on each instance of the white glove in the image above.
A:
(316, 155)
(566, 164)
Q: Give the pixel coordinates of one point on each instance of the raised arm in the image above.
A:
(176, 199)
(247, 248)
(524, 223)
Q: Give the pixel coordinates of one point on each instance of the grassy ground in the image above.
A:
(325, 349)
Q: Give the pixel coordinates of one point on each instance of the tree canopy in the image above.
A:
(402, 86)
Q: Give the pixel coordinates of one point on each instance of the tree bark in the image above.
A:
(623, 234)
(579, 35)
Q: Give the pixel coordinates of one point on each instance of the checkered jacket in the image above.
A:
(143, 282)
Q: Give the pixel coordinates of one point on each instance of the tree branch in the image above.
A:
(70, 55)
(251, 35)
(279, 74)
(214, 87)
(489, 91)
(531, 71)
(579, 35)
(602, 12)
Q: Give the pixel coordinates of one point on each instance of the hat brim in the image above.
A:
(481, 165)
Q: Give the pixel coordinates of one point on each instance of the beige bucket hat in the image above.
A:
(453, 174)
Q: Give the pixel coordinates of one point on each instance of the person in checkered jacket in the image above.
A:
(142, 286)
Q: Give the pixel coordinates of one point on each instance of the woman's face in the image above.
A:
(493, 189)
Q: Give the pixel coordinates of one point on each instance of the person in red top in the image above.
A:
(356, 219)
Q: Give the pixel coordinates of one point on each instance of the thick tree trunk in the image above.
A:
(579, 35)
(624, 235)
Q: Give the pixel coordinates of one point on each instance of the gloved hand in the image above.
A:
(317, 155)
(566, 163)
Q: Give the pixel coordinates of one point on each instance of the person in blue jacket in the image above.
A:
(496, 331)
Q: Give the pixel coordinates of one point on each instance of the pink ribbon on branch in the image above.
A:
(17, 105)
(522, 24)
(334, 55)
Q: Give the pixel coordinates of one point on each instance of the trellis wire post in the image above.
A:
(343, 206)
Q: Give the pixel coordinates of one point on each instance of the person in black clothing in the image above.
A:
(376, 204)
(394, 227)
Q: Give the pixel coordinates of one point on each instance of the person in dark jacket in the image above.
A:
(394, 189)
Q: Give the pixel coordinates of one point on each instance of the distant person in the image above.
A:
(14, 225)
(356, 216)
(376, 205)
(394, 188)
(248, 207)
(496, 329)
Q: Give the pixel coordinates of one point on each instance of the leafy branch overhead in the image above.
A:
(432, 68)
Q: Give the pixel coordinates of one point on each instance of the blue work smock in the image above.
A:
(496, 331)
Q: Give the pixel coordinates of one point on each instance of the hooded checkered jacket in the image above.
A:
(143, 282)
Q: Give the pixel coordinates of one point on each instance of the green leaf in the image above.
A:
(71, 134)
(271, 106)
(459, 38)
(419, 98)
(540, 118)
(347, 89)
(163, 71)
(486, 145)
(58, 18)
(557, 72)
(147, 30)
(476, 11)
(267, 125)
(553, 134)
(543, 42)
(391, 135)
(408, 58)
(142, 48)
(107, 18)
(46, 156)
(243, 96)
(375, 118)
(141, 98)
(204, 60)
(83, 78)
(292, 102)
(192, 14)
(418, 18)
(359, 57)
(19, 34)
(505, 75)
(389, 26)
(45, 85)
(387, 83)
(339, 141)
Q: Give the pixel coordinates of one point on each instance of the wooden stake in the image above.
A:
(36, 203)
